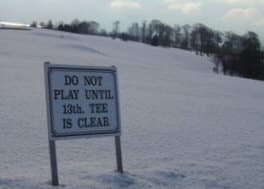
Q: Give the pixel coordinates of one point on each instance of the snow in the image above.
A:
(13, 25)
(183, 126)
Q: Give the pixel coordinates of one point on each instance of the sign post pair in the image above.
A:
(82, 101)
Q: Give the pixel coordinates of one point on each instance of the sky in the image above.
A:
(239, 16)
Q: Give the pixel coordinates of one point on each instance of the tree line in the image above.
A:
(233, 54)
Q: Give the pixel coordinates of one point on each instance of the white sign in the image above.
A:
(82, 101)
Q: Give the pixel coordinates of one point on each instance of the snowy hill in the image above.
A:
(183, 126)
(14, 26)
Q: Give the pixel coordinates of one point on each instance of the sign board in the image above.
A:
(82, 101)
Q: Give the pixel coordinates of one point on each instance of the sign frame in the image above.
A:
(48, 68)
(52, 139)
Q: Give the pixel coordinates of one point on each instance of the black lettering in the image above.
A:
(73, 94)
(71, 80)
(57, 92)
(99, 123)
(98, 94)
(66, 95)
(99, 108)
(93, 80)
(72, 109)
(106, 121)
(93, 122)
(80, 122)
(67, 123)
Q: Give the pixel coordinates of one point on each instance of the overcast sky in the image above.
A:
(236, 15)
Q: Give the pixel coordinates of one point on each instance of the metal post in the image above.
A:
(53, 163)
(118, 154)
(52, 144)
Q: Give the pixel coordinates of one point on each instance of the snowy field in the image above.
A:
(184, 127)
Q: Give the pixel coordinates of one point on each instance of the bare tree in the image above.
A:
(115, 29)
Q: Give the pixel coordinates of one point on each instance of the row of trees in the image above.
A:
(235, 54)
(76, 26)
(198, 37)
(242, 56)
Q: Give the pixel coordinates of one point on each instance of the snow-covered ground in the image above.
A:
(13, 25)
(183, 126)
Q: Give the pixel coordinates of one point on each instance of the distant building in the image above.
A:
(13, 26)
